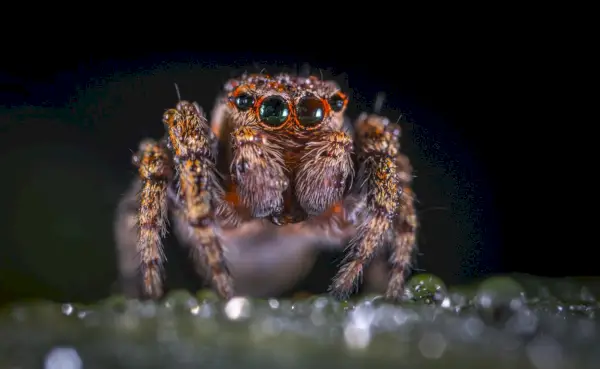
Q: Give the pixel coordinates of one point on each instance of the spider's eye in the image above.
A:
(311, 111)
(337, 102)
(273, 111)
(244, 101)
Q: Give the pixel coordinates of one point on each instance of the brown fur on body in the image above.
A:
(290, 171)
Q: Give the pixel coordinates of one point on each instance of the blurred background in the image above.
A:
(68, 127)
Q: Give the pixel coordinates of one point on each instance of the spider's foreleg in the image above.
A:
(192, 145)
(380, 191)
(324, 171)
(257, 170)
(154, 168)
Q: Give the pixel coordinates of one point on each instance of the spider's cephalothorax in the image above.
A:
(282, 142)
(288, 157)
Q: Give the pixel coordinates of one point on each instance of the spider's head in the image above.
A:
(285, 102)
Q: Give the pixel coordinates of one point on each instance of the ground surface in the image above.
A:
(502, 322)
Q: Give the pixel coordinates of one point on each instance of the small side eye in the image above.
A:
(274, 111)
(244, 101)
(337, 102)
(311, 111)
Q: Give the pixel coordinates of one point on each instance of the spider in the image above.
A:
(291, 163)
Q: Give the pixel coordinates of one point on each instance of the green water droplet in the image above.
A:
(180, 300)
(498, 297)
(426, 287)
(207, 296)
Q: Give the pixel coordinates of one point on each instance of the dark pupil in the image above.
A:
(336, 102)
(244, 101)
(310, 111)
(273, 111)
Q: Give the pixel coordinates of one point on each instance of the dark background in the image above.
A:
(70, 121)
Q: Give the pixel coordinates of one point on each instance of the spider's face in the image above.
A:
(286, 104)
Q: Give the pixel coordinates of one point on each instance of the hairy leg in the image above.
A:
(142, 222)
(324, 171)
(381, 180)
(191, 141)
(405, 228)
(257, 172)
(155, 171)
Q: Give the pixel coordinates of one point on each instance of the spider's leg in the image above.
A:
(227, 218)
(192, 144)
(142, 221)
(404, 232)
(379, 188)
(324, 172)
(257, 170)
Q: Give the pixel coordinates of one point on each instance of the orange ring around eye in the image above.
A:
(340, 97)
(239, 91)
(286, 116)
(326, 113)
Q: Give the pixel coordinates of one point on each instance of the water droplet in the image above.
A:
(273, 303)
(67, 309)
(426, 287)
(357, 337)
(237, 308)
(63, 358)
(497, 298)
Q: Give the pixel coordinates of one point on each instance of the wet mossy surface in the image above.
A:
(515, 321)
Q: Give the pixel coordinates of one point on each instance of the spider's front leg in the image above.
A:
(324, 171)
(191, 142)
(384, 209)
(257, 170)
(154, 168)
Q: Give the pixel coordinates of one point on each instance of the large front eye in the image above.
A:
(311, 111)
(273, 111)
(244, 101)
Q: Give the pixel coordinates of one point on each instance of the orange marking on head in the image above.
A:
(337, 208)
(344, 97)
(232, 197)
(327, 108)
(216, 131)
(235, 93)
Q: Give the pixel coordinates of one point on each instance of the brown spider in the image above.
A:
(291, 164)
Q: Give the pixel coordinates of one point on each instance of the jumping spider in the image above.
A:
(291, 162)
